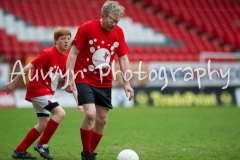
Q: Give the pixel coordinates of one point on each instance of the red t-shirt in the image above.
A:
(48, 65)
(97, 47)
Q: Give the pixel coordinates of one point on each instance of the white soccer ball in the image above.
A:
(127, 154)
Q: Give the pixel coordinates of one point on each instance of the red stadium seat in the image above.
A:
(207, 25)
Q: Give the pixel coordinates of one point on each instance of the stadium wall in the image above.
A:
(186, 97)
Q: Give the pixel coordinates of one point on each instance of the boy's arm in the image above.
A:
(9, 87)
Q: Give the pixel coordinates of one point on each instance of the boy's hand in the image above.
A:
(9, 87)
(70, 87)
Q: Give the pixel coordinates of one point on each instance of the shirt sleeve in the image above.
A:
(80, 37)
(41, 59)
(123, 48)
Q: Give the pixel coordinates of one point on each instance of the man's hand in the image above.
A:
(129, 91)
(81, 109)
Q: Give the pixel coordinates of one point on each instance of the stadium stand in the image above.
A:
(218, 19)
(173, 30)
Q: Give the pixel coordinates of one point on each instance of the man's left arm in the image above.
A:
(124, 66)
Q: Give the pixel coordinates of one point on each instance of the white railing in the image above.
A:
(218, 55)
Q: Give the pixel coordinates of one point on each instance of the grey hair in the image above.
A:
(112, 6)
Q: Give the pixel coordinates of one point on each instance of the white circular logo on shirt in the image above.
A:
(101, 56)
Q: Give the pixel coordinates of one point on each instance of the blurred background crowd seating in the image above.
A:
(155, 30)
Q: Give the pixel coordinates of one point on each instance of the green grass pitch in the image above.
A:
(154, 133)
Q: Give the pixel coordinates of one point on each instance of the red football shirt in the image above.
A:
(44, 78)
(97, 47)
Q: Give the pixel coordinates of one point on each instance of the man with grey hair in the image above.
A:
(91, 56)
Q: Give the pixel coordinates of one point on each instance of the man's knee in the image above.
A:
(101, 120)
(90, 116)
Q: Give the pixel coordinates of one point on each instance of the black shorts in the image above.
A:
(99, 96)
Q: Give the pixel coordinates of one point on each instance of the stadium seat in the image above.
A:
(175, 27)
